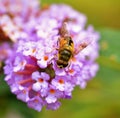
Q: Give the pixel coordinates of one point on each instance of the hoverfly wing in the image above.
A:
(83, 44)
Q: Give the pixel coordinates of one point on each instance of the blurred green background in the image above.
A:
(101, 98)
(100, 13)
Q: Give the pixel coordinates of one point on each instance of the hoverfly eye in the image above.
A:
(70, 42)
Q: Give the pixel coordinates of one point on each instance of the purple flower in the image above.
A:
(32, 71)
(36, 103)
(14, 14)
(5, 52)
(20, 6)
(41, 83)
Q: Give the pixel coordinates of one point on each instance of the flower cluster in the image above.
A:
(13, 15)
(32, 72)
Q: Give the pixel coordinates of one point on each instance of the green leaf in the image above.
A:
(4, 89)
(110, 45)
(101, 13)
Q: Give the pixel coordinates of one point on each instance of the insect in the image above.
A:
(66, 49)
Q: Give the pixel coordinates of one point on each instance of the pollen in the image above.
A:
(45, 58)
(52, 91)
(22, 63)
(40, 80)
(71, 71)
(36, 101)
(61, 81)
(24, 91)
(34, 50)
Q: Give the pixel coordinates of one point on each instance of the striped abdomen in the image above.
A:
(64, 57)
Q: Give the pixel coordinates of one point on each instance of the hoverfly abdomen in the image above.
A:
(62, 64)
(64, 57)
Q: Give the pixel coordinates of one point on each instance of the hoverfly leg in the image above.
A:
(58, 41)
(69, 65)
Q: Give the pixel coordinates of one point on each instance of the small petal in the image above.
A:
(36, 87)
(35, 104)
(53, 106)
(36, 75)
(42, 63)
(51, 99)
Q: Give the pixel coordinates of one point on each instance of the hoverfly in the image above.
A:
(66, 48)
